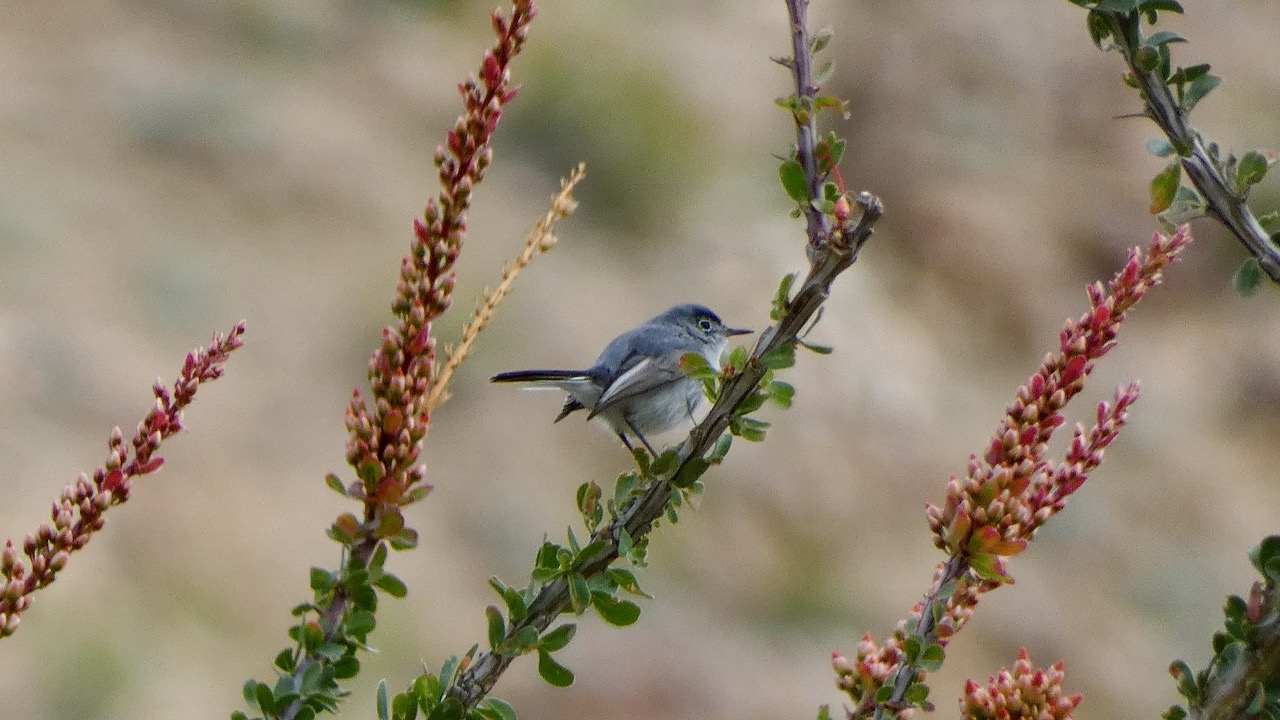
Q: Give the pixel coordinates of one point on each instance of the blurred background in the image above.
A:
(172, 166)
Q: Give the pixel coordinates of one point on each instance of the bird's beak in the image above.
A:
(737, 331)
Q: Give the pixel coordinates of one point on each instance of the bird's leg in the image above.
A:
(625, 441)
(638, 434)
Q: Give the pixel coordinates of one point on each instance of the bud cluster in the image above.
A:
(1028, 693)
(1012, 489)
(78, 512)
(994, 510)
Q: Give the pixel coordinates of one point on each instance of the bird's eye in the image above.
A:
(705, 324)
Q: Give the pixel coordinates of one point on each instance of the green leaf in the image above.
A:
(448, 709)
(553, 672)
(749, 429)
(916, 694)
(827, 102)
(1248, 277)
(737, 358)
(331, 650)
(823, 73)
(406, 539)
(626, 580)
(250, 693)
(579, 593)
(322, 580)
(911, 647)
(495, 708)
(379, 557)
(1266, 558)
(263, 699)
(1165, 5)
(751, 403)
(346, 667)
(985, 565)
(1188, 74)
(696, 366)
(543, 575)
(626, 485)
(620, 613)
(1164, 187)
(391, 585)
(815, 348)
(720, 449)
(1099, 28)
(781, 393)
(783, 356)
(1164, 37)
(404, 706)
(516, 606)
(1198, 89)
(830, 150)
(311, 678)
(284, 660)
(1160, 147)
(782, 298)
(665, 463)
(689, 474)
(1146, 59)
(791, 174)
(525, 640)
(624, 542)
(932, 657)
(558, 638)
(589, 551)
(497, 626)
(820, 40)
(448, 671)
(361, 623)
(335, 484)
(1251, 170)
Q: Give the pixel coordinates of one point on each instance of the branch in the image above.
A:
(1243, 678)
(1172, 116)
(801, 66)
(637, 518)
(831, 249)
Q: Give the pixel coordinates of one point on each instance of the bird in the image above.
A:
(636, 385)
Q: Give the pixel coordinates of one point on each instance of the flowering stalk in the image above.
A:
(992, 513)
(1027, 693)
(385, 440)
(386, 430)
(79, 511)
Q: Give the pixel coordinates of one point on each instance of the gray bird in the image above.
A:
(636, 385)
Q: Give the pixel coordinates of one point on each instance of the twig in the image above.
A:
(1205, 173)
(540, 238)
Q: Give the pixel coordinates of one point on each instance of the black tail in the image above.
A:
(534, 376)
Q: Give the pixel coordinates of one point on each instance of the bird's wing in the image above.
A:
(643, 375)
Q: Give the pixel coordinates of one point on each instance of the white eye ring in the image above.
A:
(705, 324)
